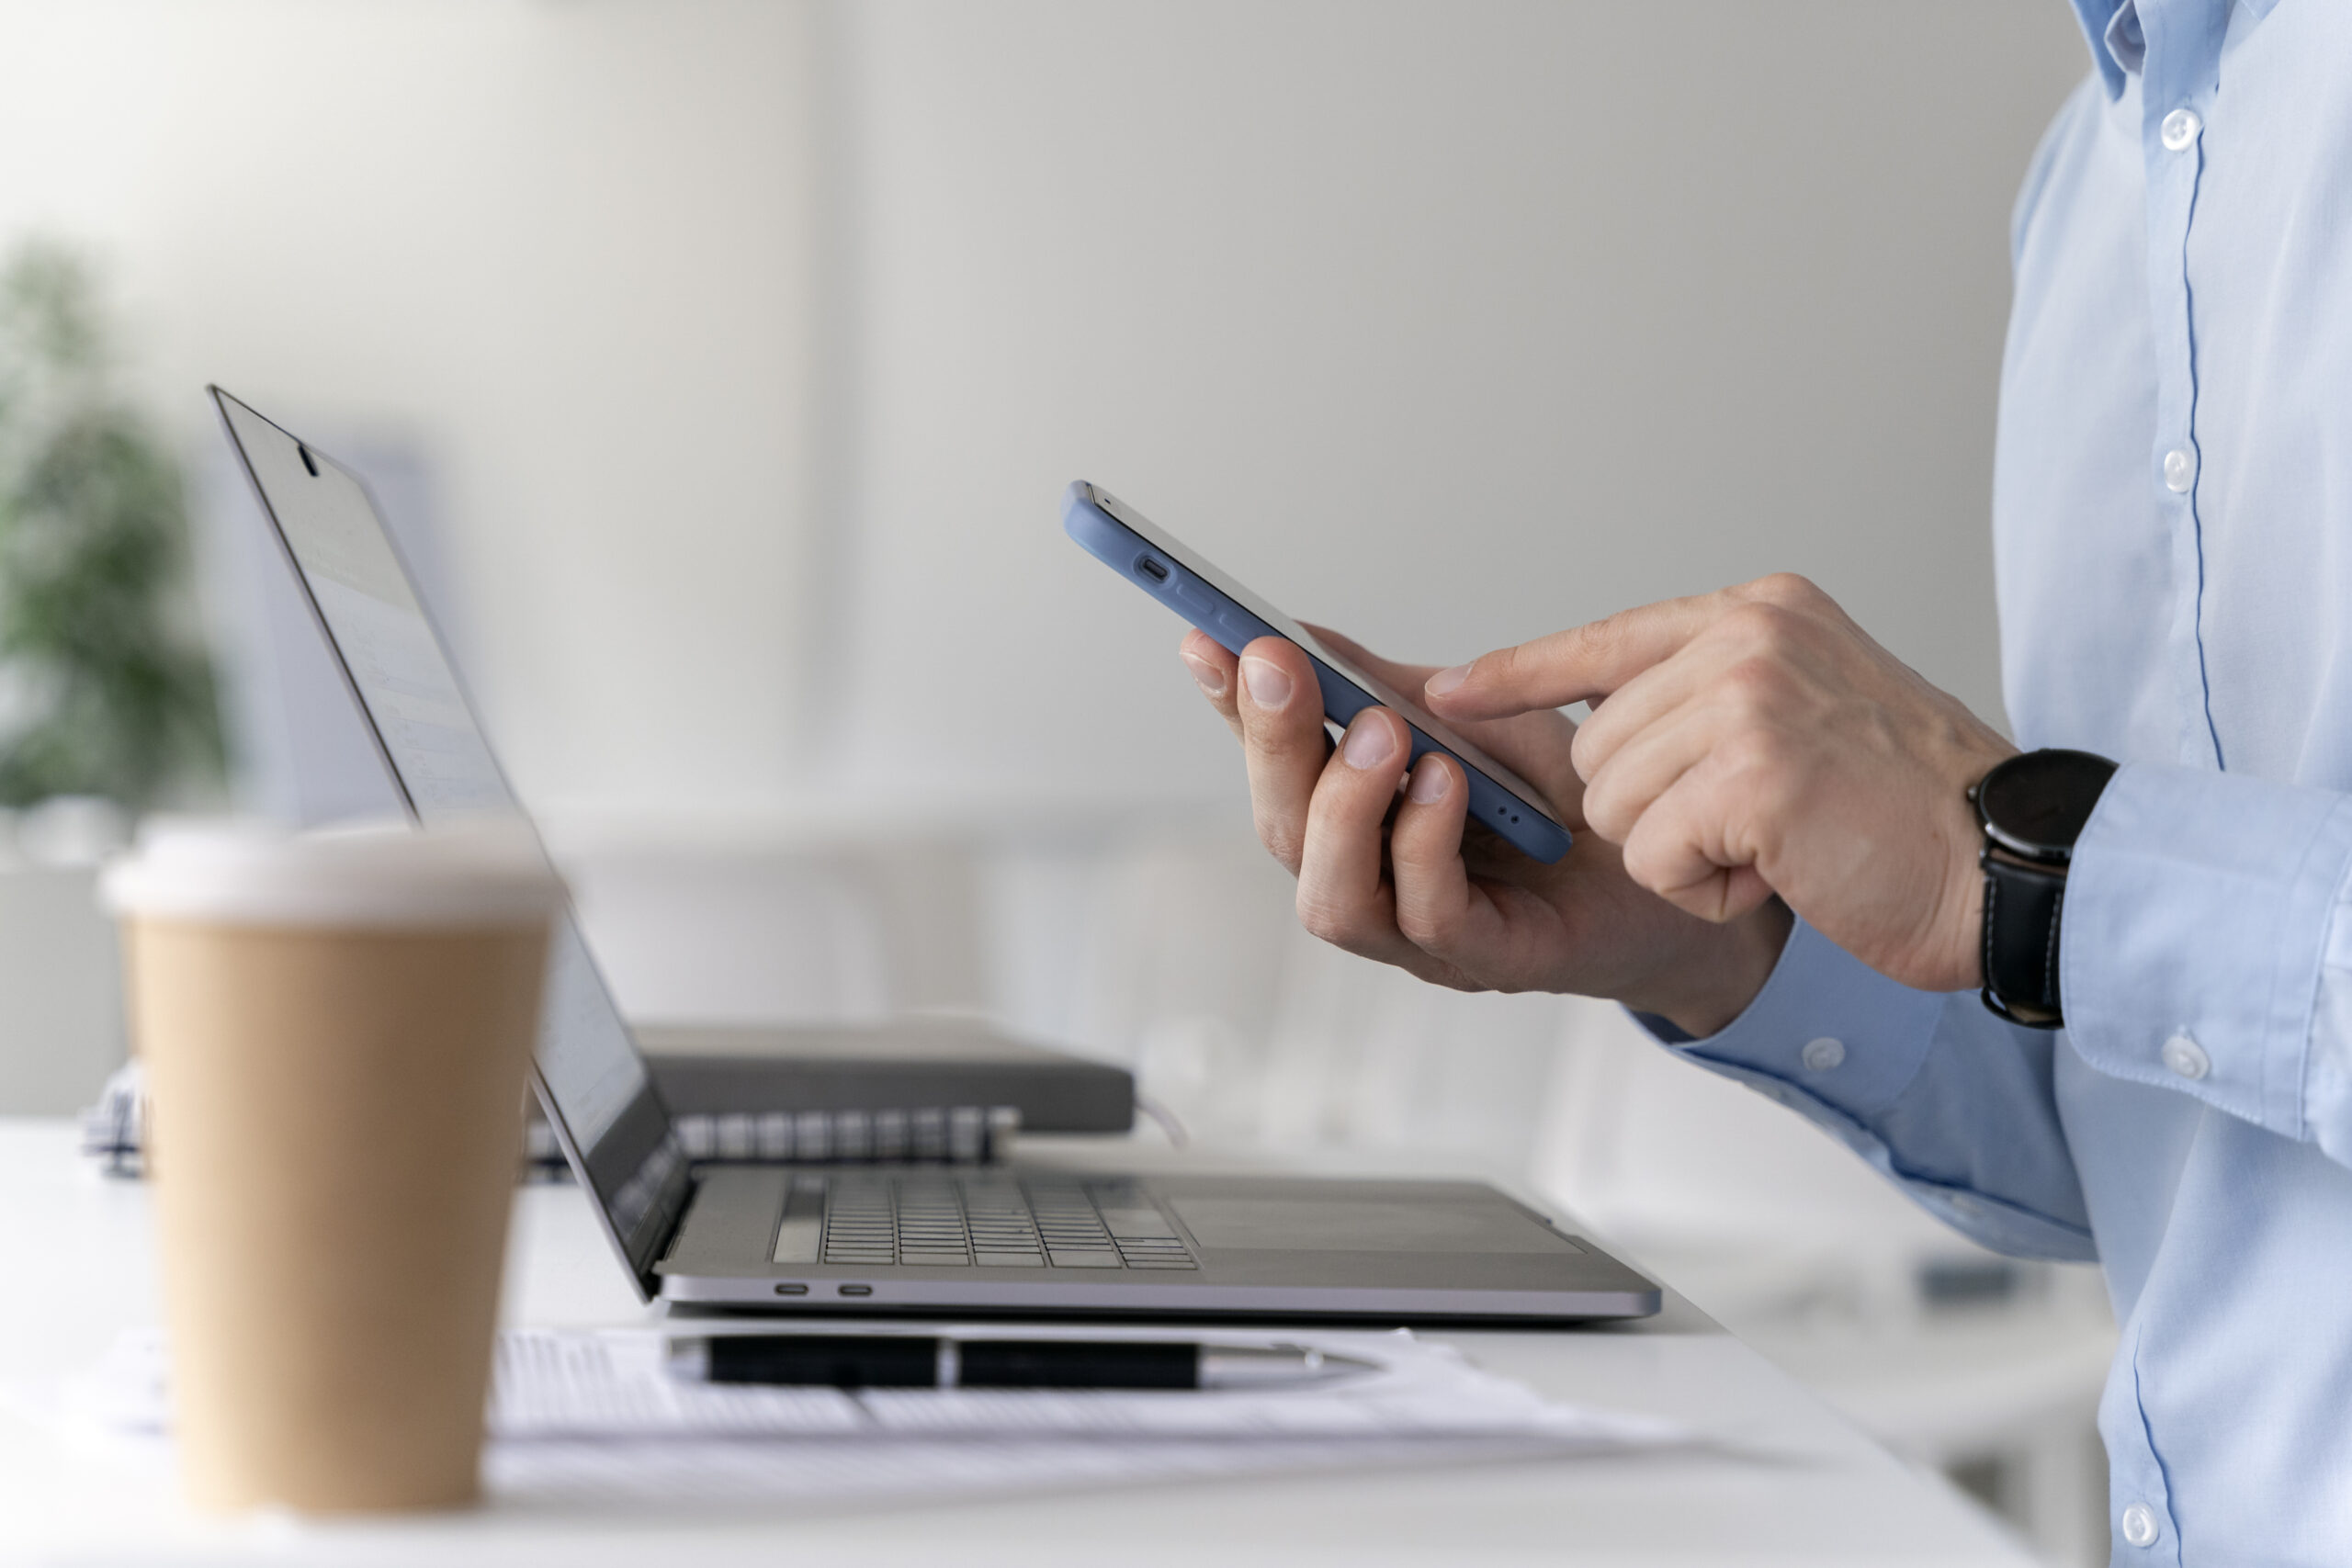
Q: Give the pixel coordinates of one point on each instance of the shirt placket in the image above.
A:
(2177, 83)
(2178, 80)
(2138, 1516)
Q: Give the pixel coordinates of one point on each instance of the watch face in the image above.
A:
(2037, 804)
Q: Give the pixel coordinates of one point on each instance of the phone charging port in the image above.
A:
(1151, 569)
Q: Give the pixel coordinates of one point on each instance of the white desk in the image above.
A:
(1802, 1488)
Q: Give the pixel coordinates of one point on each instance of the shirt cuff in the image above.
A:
(1826, 1024)
(2197, 917)
(1974, 1139)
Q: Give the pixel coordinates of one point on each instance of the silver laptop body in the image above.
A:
(1027, 1238)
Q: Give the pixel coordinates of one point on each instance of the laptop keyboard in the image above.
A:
(991, 1220)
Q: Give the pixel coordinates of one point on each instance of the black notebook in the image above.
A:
(944, 1089)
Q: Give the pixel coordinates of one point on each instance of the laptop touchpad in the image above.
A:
(1353, 1224)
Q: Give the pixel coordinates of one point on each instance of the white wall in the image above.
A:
(1448, 324)
(563, 248)
(61, 1021)
(755, 341)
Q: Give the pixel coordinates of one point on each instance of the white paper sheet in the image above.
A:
(587, 1418)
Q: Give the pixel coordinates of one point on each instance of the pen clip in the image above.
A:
(688, 1360)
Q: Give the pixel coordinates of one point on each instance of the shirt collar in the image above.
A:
(2112, 29)
(2102, 19)
(2126, 44)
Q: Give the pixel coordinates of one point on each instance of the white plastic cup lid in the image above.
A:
(477, 872)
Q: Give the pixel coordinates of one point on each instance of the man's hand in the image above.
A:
(1394, 876)
(1754, 742)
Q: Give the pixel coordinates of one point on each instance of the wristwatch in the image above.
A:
(2032, 809)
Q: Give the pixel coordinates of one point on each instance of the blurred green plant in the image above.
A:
(102, 690)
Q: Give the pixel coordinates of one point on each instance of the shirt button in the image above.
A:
(1820, 1056)
(2187, 1057)
(2180, 130)
(2139, 1524)
(2180, 470)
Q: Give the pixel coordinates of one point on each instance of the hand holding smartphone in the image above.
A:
(1128, 543)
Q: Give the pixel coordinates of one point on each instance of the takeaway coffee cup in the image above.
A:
(336, 1030)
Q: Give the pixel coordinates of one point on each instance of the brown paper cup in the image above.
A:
(336, 1033)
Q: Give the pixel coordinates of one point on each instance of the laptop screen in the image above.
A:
(592, 1080)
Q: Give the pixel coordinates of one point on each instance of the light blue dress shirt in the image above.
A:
(2173, 538)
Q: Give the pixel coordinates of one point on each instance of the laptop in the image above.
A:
(1027, 1238)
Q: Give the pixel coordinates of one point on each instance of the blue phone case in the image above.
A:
(1130, 545)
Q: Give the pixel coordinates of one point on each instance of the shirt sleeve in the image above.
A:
(2205, 946)
(1952, 1103)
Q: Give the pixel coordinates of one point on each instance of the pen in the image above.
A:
(843, 1360)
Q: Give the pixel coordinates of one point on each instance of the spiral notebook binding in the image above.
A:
(957, 1134)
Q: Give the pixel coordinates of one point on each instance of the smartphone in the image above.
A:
(1129, 543)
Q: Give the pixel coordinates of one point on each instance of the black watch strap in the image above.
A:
(2022, 906)
(2032, 808)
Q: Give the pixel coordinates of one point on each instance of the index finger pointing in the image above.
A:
(1574, 666)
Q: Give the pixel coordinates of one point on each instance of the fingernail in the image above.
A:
(1268, 687)
(1431, 781)
(1369, 743)
(1207, 676)
(1445, 681)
